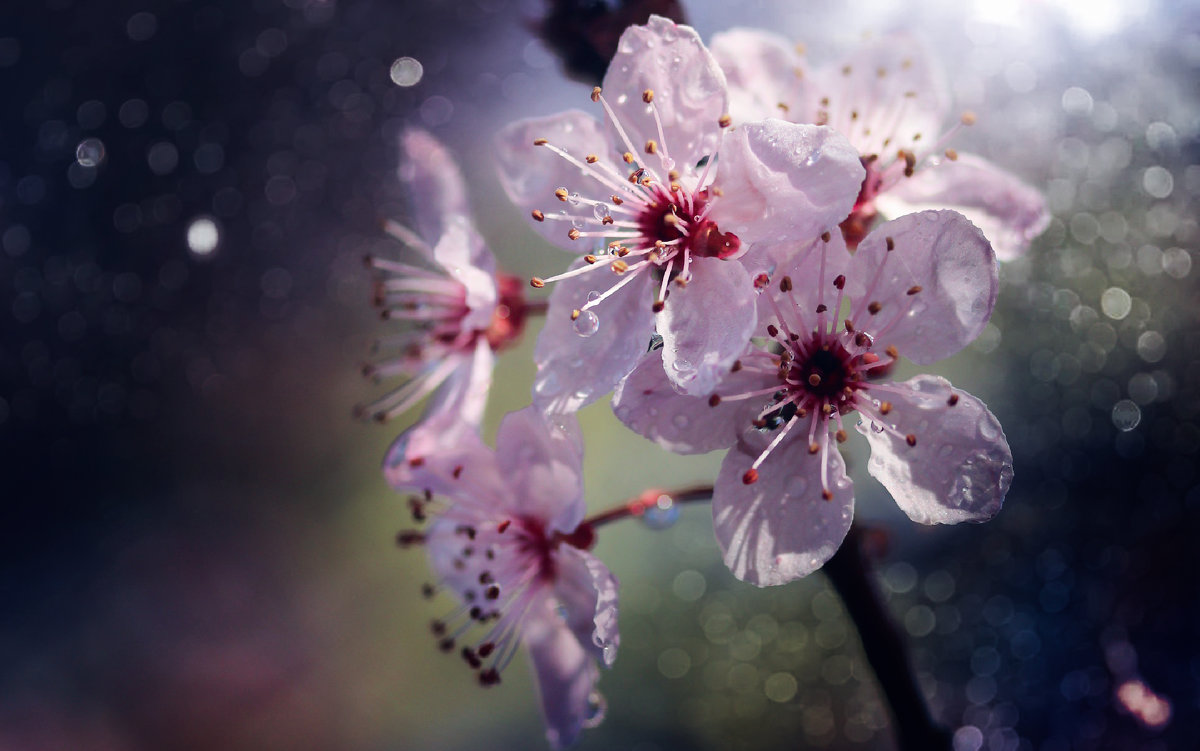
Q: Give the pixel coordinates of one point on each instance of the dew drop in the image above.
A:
(575, 198)
(813, 158)
(988, 429)
(587, 323)
(663, 514)
(600, 210)
(593, 296)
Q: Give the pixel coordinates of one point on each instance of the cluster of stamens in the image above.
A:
(888, 155)
(652, 218)
(824, 369)
(435, 306)
(500, 568)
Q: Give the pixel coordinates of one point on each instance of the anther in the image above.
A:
(772, 330)
(469, 655)
(814, 448)
(427, 591)
(862, 339)
(493, 591)
(892, 352)
(658, 306)
(914, 289)
(826, 237)
(486, 649)
(814, 380)
(952, 400)
(714, 400)
(595, 93)
(407, 537)
(822, 308)
(575, 314)
(573, 233)
(536, 282)
(589, 258)
(849, 326)
(910, 163)
(591, 159)
(539, 216)
(628, 157)
(540, 142)
(416, 461)
(952, 155)
(620, 267)
(827, 494)
(724, 121)
(785, 284)
(750, 477)
(446, 645)
(561, 194)
(840, 436)
(651, 146)
(874, 307)
(968, 118)
(503, 526)
(617, 200)
(489, 677)
(437, 627)
(885, 408)
(891, 244)
(761, 281)
(648, 96)
(910, 439)
(737, 365)
(840, 281)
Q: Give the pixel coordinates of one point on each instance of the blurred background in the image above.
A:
(198, 549)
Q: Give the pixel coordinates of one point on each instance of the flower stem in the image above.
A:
(849, 572)
(647, 499)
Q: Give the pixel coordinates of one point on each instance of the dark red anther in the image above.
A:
(712, 242)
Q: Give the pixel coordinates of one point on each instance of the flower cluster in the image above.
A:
(735, 288)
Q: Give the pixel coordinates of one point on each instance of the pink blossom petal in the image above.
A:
(435, 185)
(763, 71)
(650, 406)
(1009, 212)
(575, 370)
(464, 393)
(444, 455)
(688, 86)
(937, 287)
(961, 466)
(462, 253)
(566, 676)
(530, 174)
(882, 95)
(587, 591)
(780, 528)
(784, 181)
(706, 324)
(541, 460)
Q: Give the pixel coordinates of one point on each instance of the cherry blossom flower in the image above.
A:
(505, 541)
(888, 98)
(922, 286)
(460, 311)
(663, 201)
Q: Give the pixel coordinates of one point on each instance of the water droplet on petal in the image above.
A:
(593, 296)
(574, 199)
(587, 323)
(600, 210)
(813, 158)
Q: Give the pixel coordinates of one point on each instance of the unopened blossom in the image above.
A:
(890, 100)
(457, 310)
(921, 288)
(663, 202)
(504, 540)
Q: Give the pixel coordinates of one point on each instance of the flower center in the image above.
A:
(667, 220)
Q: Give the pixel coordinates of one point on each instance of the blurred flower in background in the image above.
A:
(199, 548)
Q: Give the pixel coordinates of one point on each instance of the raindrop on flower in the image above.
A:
(600, 210)
(587, 323)
(593, 296)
